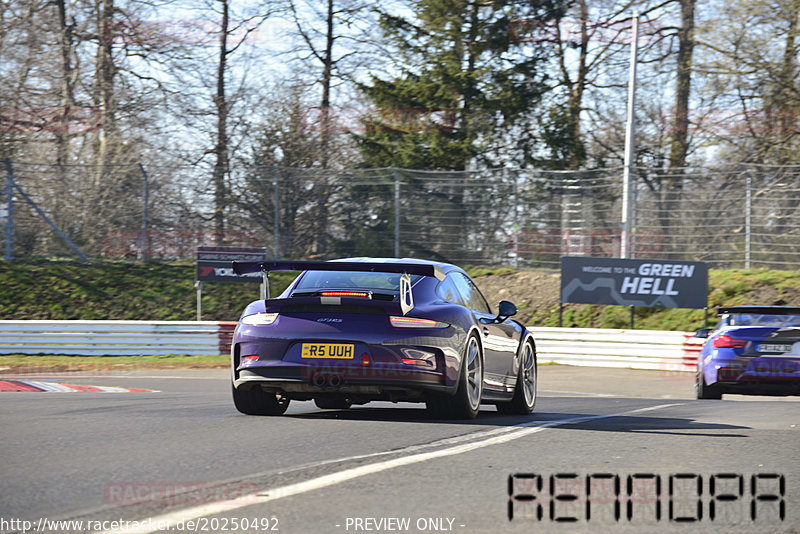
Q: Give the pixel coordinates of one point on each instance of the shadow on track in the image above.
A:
(489, 417)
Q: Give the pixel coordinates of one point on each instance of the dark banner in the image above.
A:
(650, 283)
(214, 264)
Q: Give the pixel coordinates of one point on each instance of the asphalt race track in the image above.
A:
(606, 451)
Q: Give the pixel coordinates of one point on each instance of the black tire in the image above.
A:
(256, 401)
(466, 403)
(332, 403)
(525, 389)
(703, 390)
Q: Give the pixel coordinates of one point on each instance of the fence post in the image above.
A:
(146, 195)
(198, 285)
(9, 212)
(516, 217)
(748, 208)
(276, 230)
(633, 199)
(396, 213)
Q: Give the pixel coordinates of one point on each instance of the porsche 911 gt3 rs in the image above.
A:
(358, 330)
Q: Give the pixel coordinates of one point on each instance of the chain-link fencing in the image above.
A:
(742, 216)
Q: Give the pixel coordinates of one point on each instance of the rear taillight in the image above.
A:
(260, 319)
(414, 322)
(728, 342)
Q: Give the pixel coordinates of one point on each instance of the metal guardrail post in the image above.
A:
(198, 285)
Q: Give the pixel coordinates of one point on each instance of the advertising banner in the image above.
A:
(640, 282)
(214, 263)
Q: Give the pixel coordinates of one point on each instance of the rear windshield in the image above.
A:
(765, 319)
(352, 280)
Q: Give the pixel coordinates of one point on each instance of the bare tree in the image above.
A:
(228, 43)
(683, 82)
(750, 68)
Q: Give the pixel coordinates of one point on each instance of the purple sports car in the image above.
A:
(403, 330)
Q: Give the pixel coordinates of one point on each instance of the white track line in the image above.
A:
(157, 523)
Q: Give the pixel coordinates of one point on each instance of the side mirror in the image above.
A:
(505, 309)
(702, 333)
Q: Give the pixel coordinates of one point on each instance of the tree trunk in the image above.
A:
(65, 38)
(786, 107)
(679, 146)
(221, 146)
(787, 91)
(321, 235)
(105, 74)
(575, 103)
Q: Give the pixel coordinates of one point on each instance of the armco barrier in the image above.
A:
(595, 347)
(635, 349)
(115, 338)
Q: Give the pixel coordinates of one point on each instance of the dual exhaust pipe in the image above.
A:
(327, 381)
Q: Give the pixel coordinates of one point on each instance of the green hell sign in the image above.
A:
(640, 282)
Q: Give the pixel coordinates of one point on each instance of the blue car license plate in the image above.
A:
(774, 347)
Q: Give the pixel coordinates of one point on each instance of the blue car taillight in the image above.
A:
(728, 342)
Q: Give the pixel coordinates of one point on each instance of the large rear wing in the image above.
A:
(422, 269)
(406, 269)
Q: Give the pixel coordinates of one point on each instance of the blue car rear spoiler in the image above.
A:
(422, 269)
(764, 310)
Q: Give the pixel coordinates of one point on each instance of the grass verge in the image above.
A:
(23, 364)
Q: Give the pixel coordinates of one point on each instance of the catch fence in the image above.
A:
(742, 216)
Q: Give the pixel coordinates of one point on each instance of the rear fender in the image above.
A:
(472, 331)
(527, 336)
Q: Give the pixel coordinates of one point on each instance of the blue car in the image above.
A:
(753, 350)
(357, 330)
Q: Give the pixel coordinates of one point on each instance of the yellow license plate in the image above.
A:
(336, 351)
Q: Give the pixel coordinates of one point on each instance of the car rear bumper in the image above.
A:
(762, 387)
(777, 371)
(304, 382)
(761, 376)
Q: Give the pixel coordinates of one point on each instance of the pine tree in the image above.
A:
(465, 89)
